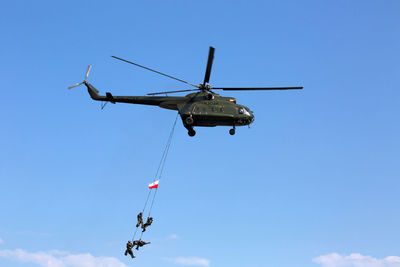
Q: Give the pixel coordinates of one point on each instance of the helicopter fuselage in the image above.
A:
(210, 110)
(196, 109)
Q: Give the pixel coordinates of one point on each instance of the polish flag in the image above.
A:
(154, 184)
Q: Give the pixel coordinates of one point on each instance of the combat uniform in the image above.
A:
(140, 220)
(148, 223)
(128, 250)
(139, 243)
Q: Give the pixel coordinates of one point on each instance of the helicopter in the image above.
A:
(202, 107)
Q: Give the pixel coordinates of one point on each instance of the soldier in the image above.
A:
(139, 243)
(148, 223)
(140, 220)
(128, 250)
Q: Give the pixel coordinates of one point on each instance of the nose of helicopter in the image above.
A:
(251, 117)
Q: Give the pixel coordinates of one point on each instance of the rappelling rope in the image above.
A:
(158, 174)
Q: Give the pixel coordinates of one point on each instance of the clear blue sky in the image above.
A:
(316, 174)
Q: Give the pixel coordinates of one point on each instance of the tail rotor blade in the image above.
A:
(84, 81)
(87, 72)
(75, 85)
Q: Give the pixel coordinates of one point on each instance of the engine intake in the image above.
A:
(209, 97)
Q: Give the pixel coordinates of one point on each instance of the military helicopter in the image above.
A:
(203, 107)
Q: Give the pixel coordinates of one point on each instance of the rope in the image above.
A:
(145, 204)
(166, 150)
(163, 161)
(158, 174)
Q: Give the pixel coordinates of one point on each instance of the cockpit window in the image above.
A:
(241, 110)
(251, 112)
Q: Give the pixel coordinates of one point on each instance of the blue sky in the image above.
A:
(313, 182)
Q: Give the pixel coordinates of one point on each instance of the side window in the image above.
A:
(241, 110)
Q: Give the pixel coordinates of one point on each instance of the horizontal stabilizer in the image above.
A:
(110, 97)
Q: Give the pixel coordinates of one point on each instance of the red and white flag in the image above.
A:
(154, 184)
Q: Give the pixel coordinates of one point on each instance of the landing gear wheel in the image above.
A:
(189, 120)
(232, 131)
(192, 133)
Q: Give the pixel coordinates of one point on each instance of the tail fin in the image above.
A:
(93, 92)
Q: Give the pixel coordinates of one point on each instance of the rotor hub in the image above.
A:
(205, 87)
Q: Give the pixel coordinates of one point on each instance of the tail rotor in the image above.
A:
(84, 81)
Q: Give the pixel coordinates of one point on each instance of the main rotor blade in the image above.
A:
(256, 88)
(169, 76)
(172, 92)
(209, 65)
